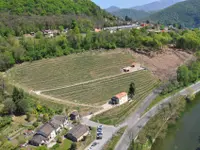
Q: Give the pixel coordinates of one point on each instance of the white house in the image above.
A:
(120, 98)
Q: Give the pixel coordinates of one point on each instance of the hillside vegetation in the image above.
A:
(186, 13)
(22, 16)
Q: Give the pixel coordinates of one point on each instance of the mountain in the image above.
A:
(157, 5)
(186, 13)
(131, 13)
(24, 16)
(112, 9)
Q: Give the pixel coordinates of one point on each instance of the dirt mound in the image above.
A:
(165, 64)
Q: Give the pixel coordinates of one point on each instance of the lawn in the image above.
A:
(113, 142)
(66, 144)
(69, 70)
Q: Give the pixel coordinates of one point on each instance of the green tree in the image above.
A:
(9, 106)
(183, 75)
(131, 91)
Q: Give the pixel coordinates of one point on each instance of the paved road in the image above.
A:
(135, 126)
(108, 132)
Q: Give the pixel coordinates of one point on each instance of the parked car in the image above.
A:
(94, 144)
(99, 130)
(99, 135)
(100, 126)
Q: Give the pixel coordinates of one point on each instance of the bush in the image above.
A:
(35, 124)
(59, 140)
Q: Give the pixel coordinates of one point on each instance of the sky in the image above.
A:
(121, 3)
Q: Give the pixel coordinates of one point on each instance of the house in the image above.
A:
(120, 98)
(78, 132)
(47, 132)
(74, 115)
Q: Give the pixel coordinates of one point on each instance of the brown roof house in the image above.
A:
(47, 132)
(78, 132)
(74, 115)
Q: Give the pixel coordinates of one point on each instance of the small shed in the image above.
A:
(74, 115)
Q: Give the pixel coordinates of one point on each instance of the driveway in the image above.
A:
(135, 126)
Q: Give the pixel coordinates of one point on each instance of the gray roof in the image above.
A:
(57, 120)
(75, 113)
(45, 130)
(37, 139)
(53, 124)
(78, 130)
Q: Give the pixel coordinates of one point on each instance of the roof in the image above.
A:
(127, 68)
(37, 139)
(120, 95)
(57, 120)
(75, 113)
(78, 130)
(45, 129)
(53, 124)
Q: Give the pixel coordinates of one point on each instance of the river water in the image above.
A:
(186, 134)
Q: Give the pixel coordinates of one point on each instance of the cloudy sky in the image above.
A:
(121, 3)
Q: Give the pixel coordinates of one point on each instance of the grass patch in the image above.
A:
(113, 142)
(66, 144)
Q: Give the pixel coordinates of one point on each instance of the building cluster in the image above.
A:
(48, 132)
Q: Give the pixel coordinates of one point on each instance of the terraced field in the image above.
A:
(68, 70)
(99, 92)
(117, 115)
(90, 78)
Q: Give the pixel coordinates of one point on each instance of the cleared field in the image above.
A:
(99, 92)
(68, 70)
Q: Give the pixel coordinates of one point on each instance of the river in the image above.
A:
(185, 135)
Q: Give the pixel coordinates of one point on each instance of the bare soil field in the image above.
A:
(164, 64)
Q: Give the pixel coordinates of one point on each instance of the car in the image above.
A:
(100, 126)
(99, 130)
(94, 144)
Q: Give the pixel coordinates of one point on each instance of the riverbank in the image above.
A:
(185, 130)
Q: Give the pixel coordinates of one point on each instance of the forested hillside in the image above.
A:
(131, 13)
(24, 16)
(186, 13)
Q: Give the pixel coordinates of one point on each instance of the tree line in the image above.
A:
(16, 50)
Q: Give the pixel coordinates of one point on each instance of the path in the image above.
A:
(134, 127)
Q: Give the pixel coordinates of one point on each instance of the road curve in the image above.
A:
(138, 123)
